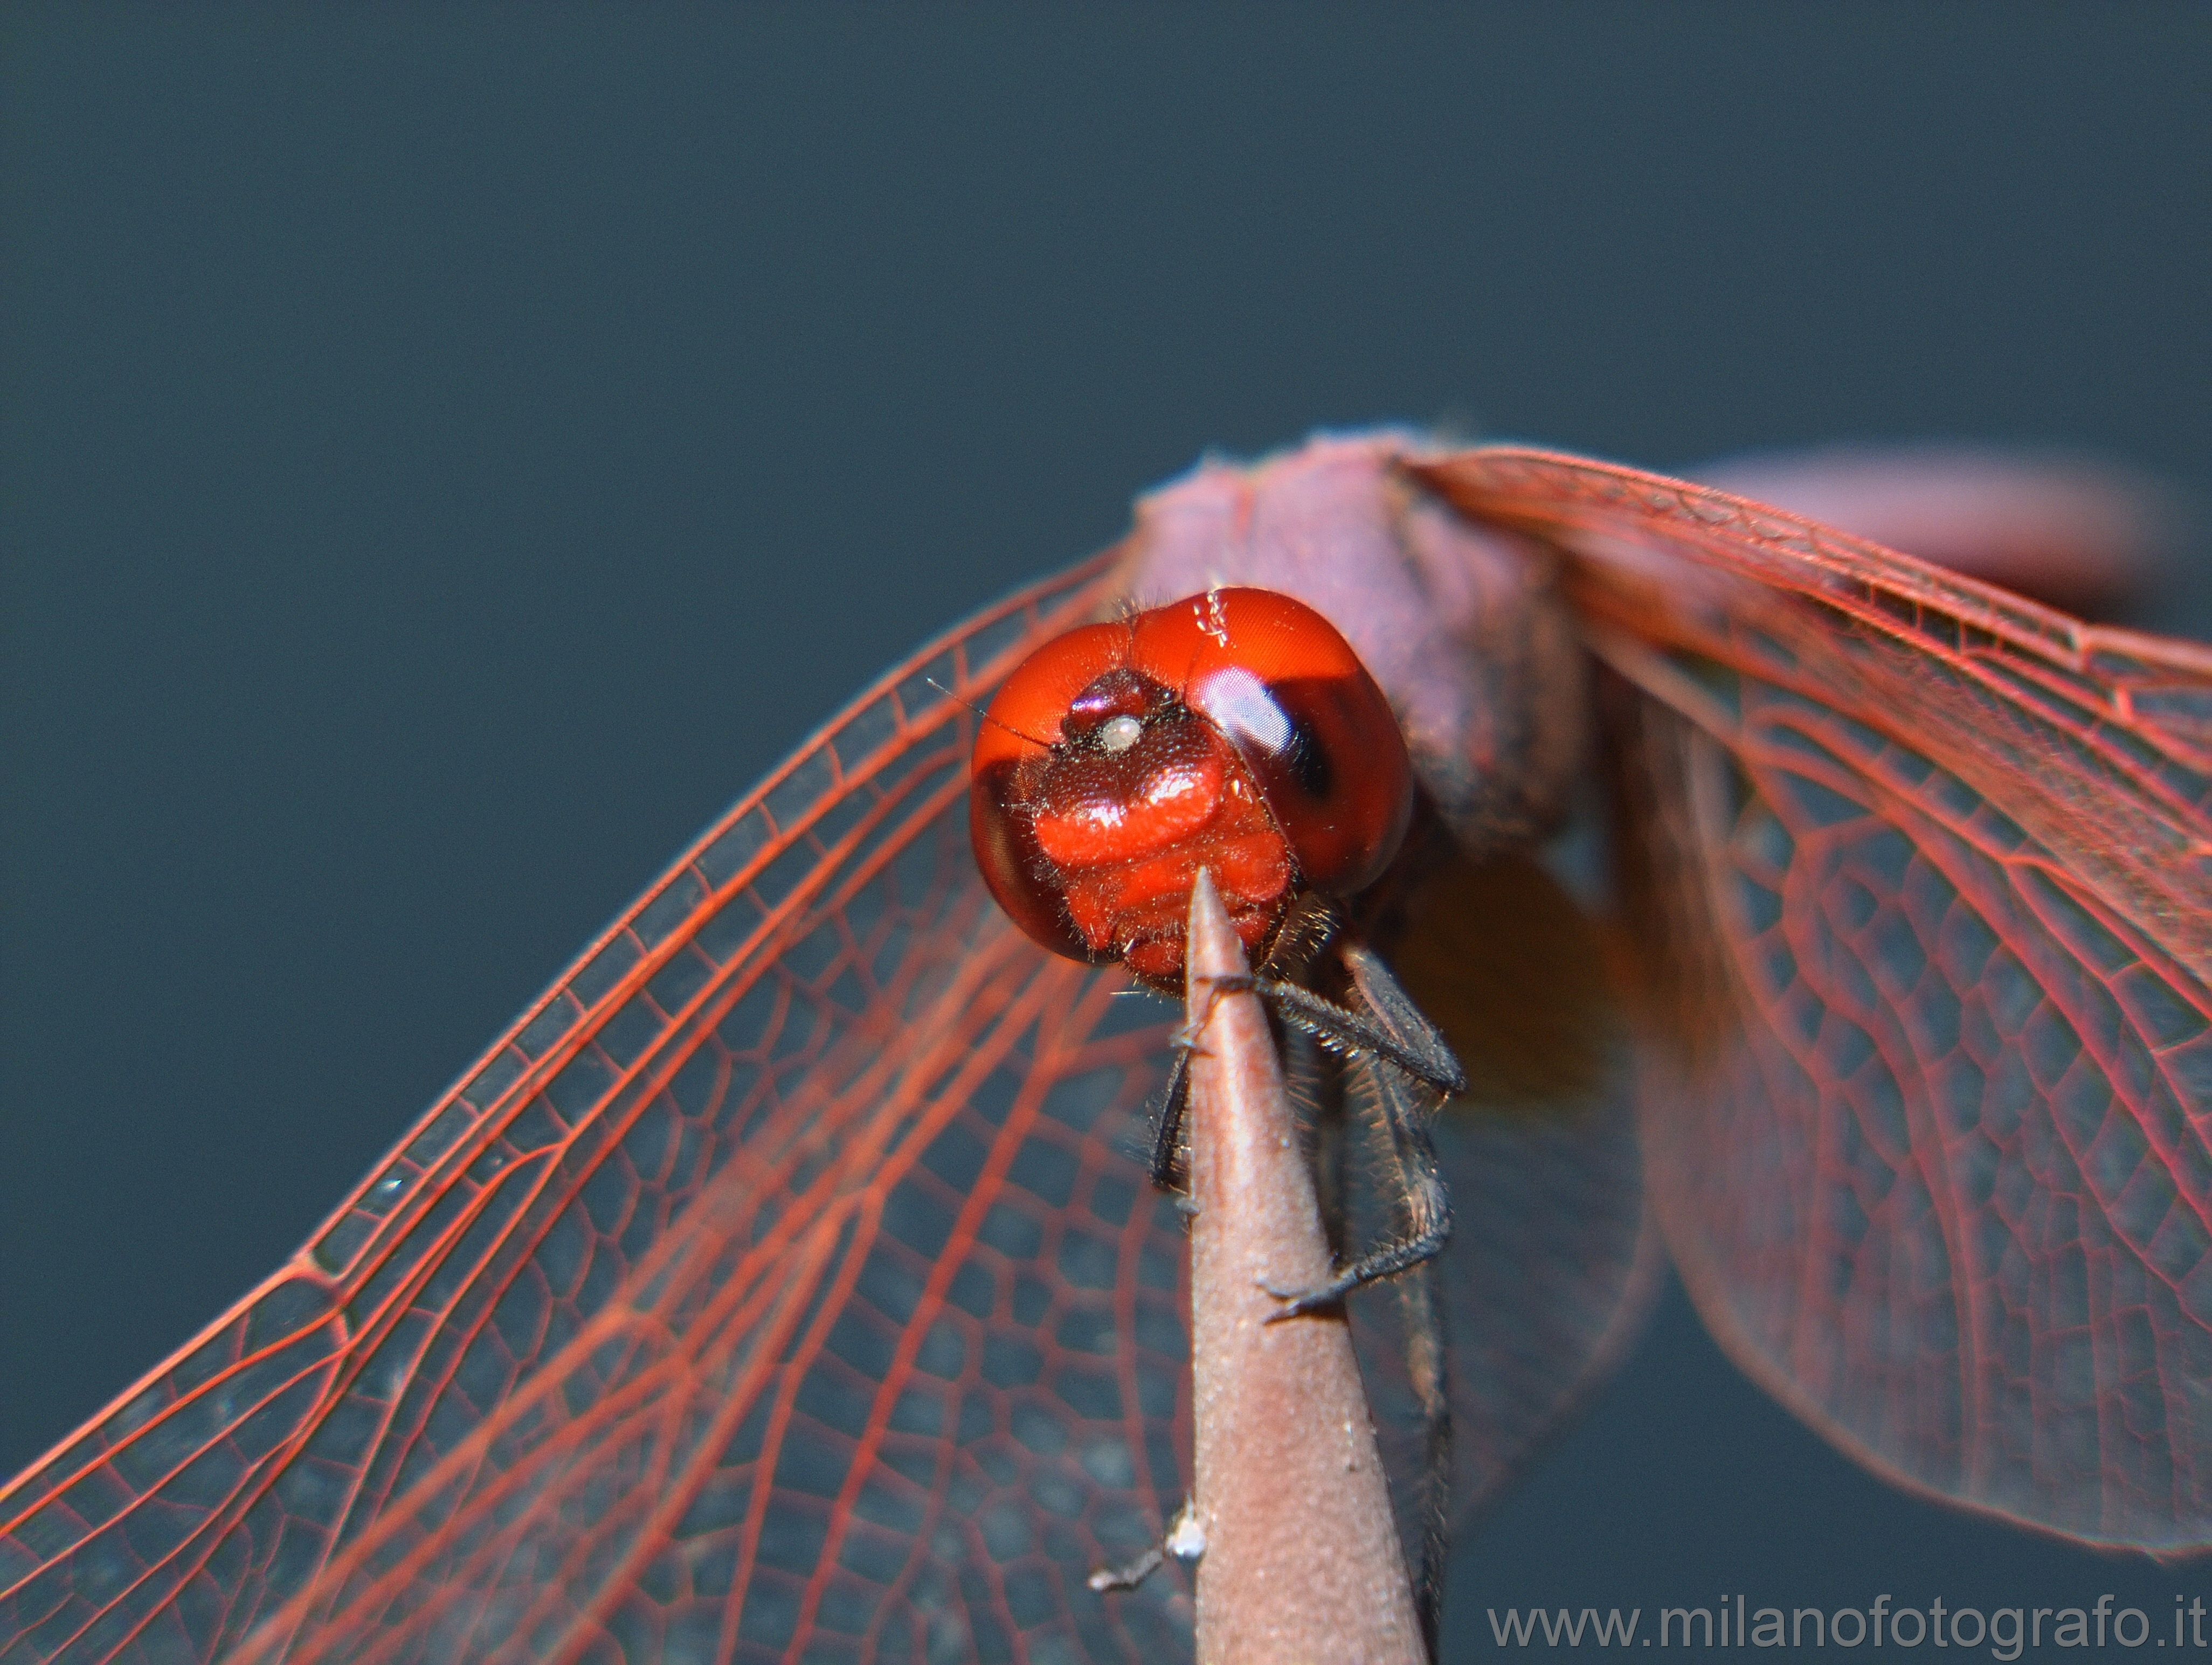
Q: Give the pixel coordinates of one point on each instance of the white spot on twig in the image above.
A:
(1186, 1539)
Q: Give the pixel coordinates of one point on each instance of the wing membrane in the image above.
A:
(1918, 872)
(536, 1205)
(825, 1404)
(786, 1280)
(2098, 740)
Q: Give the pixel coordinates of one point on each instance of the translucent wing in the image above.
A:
(1920, 874)
(786, 1282)
(782, 1275)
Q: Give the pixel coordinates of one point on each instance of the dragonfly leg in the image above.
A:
(1170, 1160)
(1401, 1038)
(1428, 1363)
(1403, 1103)
(1319, 1082)
(1428, 1204)
(1170, 1167)
(1385, 1029)
(1392, 1029)
(1428, 1352)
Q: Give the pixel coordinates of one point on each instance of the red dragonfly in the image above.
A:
(786, 1282)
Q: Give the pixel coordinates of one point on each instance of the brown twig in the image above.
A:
(1302, 1562)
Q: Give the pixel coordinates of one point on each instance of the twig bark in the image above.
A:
(1302, 1560)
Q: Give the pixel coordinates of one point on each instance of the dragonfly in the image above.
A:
(787, 1282)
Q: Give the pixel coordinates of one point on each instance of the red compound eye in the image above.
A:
(1233, 731)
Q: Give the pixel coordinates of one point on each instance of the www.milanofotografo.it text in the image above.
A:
(1732, 1622)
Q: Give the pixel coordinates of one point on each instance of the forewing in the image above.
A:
(783, 1282)
(1917, 874)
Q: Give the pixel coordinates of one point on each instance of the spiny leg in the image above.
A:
(1167, 1160)
(1428, 1351)
(1428, 1363)
(1428, 1204)
(1424, 1340)
(1317, 1081)
(1386, 1028)
(1391, 1029)
(1169, 1170)
(1421, 1073)
(1404, 1099)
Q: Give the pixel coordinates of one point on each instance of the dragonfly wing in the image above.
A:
(784, 1280)
(909, 1369)
(787, 1278)
(1553, 1268)
(1921, 874)
(2073, 532)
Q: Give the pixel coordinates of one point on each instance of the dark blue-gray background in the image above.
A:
(447, 458)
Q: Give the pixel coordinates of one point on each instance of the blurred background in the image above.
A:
(449, 457)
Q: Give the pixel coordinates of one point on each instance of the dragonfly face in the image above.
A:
(787, 1280)
(1233, 731)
